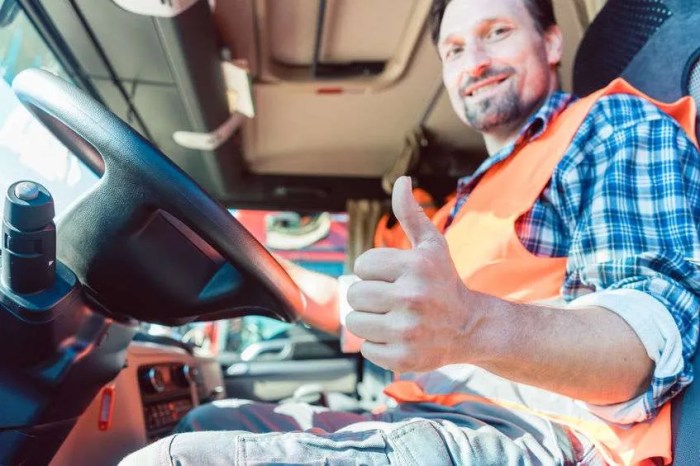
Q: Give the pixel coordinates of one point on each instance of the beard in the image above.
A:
(497, 112)
(503, 110)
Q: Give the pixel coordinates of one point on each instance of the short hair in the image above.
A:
(542, 12)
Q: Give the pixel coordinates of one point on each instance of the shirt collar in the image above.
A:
(535, 126)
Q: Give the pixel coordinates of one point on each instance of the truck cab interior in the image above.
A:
(158, 122)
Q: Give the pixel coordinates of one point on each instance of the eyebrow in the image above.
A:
(480, 27)
(452, 39)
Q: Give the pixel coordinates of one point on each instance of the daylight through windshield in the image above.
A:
(27, 150)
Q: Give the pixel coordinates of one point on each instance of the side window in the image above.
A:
(241, 337)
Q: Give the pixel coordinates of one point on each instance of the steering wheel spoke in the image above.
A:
(148, 242)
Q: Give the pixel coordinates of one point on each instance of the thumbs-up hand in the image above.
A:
(411, 307)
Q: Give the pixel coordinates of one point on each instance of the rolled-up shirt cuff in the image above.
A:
(658, 332)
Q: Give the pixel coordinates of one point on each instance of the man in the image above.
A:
(586, 208)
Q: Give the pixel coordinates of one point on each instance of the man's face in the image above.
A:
(497, 67)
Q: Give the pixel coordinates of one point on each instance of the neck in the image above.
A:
(502, 136)
(496, 141)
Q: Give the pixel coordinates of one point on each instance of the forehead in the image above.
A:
(462, 15)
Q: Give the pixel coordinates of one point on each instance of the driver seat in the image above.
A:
(654, 45)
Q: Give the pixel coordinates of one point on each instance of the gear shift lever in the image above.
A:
(28, 239)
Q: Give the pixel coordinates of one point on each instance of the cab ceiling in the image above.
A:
(354, 125)
(337, 84)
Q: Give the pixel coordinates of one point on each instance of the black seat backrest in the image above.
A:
(685, 414)
(655, 46)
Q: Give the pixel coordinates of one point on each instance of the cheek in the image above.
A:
(451, 83)
(450, 77)
(535, 66)
(536, 79)
(458, 108)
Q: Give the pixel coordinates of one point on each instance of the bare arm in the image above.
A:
(589, 354)
(321, 293)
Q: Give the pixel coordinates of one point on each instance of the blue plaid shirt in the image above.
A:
(622, 206)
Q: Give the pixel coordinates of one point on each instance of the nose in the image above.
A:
(475, 61)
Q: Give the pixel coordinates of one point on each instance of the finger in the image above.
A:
(370, 296)
(371, 327)
(381, 354)
(385, 264)
(417, 226)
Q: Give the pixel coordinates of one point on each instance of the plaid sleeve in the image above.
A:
(633, 197)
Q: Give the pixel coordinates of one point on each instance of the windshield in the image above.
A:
(27, 150)
(317, 242)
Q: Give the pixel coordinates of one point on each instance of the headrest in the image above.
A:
(653, 44)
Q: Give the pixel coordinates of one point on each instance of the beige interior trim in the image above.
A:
(361, 131)
(592, 8)
(86, 444)
(353, 30)
(269, 72)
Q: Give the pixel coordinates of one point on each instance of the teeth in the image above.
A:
(484, 88)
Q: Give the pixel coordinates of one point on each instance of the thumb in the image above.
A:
(417, 226)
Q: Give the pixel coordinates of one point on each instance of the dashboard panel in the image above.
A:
(166, 395)
(158, 386)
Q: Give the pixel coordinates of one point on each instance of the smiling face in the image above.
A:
(497, 67)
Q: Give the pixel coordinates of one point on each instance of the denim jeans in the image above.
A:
(418, 434)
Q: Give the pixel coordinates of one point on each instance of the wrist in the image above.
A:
(486, 329)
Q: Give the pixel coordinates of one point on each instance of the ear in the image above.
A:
(554, 44)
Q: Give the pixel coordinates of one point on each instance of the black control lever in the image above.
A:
(57, 346)
(28, 239)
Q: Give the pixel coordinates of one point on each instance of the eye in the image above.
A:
(498, 33)
(453, 51)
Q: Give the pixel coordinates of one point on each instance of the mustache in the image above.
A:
(489, 73)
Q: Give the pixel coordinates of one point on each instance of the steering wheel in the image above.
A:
(147, 242)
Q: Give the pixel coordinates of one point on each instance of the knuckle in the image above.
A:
(417, 262)
(421, 259)
(408, 331)
(439, 241)
(423, 264)
(413, 298)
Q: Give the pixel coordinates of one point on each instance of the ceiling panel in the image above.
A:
(358, 132)
(353, 30)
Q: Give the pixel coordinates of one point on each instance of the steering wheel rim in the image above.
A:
(140, 182)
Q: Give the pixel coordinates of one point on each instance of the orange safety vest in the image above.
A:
(490, 258)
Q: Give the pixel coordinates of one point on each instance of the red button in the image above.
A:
(106, 407)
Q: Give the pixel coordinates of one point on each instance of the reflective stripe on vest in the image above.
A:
(490, 258)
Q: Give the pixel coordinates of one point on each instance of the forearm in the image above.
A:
(588, 354)
(321, 294)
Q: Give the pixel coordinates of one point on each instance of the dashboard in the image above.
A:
(156, 388)
(166, 395)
